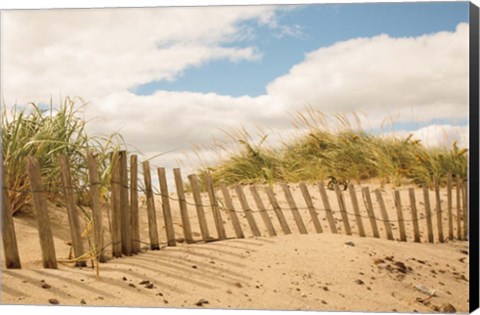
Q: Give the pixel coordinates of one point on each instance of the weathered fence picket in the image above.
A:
(151, 213)
(293, 207)
(371, 214)
(356, 210)
(134, 218)
(199, 207)
(41, 210)
(278, 211)
(413, 205)
(247, 210)
(187, 230)
(428, 214)
(9, 238)
(116, 233)
(167, 212)
(263, 212)
(94, 179)
(449, 207)
(383, 212)
(459, 208)
(72, 212)
(311, 208)
(328, 208)
(438, 209)
(343, 210)
(125, 217)
(217, 215)
(401, 222)
(231, 211)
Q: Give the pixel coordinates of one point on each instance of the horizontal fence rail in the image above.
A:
(234, 212)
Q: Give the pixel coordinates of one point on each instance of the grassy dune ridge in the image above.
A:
(333, 146)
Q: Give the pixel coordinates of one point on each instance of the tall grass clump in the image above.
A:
(46, 133)
(334, 146)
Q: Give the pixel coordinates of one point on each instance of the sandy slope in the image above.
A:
(308, 272)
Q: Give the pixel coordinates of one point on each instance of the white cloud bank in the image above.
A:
(101, 54)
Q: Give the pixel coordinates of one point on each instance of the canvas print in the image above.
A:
(274, 157)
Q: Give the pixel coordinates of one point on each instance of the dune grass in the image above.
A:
(46, 133)
(333, 146)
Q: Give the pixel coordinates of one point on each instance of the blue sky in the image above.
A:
(318, 25)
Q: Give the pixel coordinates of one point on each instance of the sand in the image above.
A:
(318, 271)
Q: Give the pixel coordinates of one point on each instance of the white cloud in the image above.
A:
(101, 54)
(94, 53)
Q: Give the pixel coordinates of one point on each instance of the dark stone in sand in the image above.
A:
(359, 282)
(144, 282)
(448, 308)
(201, 302)
(53, 301)
(46, 286)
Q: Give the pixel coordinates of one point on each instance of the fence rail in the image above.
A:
(124, 222)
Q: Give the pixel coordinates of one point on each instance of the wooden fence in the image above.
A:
(371, 220)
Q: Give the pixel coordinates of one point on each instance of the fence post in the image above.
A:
(278, 211)
(356, 210)
(449, 206)
(199, 207)
(384, 213)
(371, 214)
(125, 218)
(151, 213)
(72, 212)
(231, 210)
(311, 208)
(187, 230)
(293, 207)
(263, 211)
(413, 205)
(96, 209)
(401, 222)
(438, 209)
(9, 238)
(428, 214)
(217, 215)
(247, 210)
(343, 210)
(135, 223)
(328, 208)
(458, 197)
(116, 203)
(41, 210)
(167, 213)
(465, 210)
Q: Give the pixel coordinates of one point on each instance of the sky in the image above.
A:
(173, 80)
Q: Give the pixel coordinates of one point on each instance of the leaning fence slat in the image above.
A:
(187, 230)
(125, 219)
(199, 207)
(311, 208)
(96, 207)
(438, 209)
(401, 221)
(449, 206)
(247, 210)
(383, 212)
(151, 213)
(72, 212)
(41, 211)
(135, 223)
(217, 215)
(167, 211)
(116, 201)
(413, 205)
(428, 214)
(343, 210)
(328, 208)
(293, 207)
(356, 210)
(263, 212)
(458, 197)
(278, 211)
(9, 238)
(231, 211)
(371, 214)
(465, 210)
